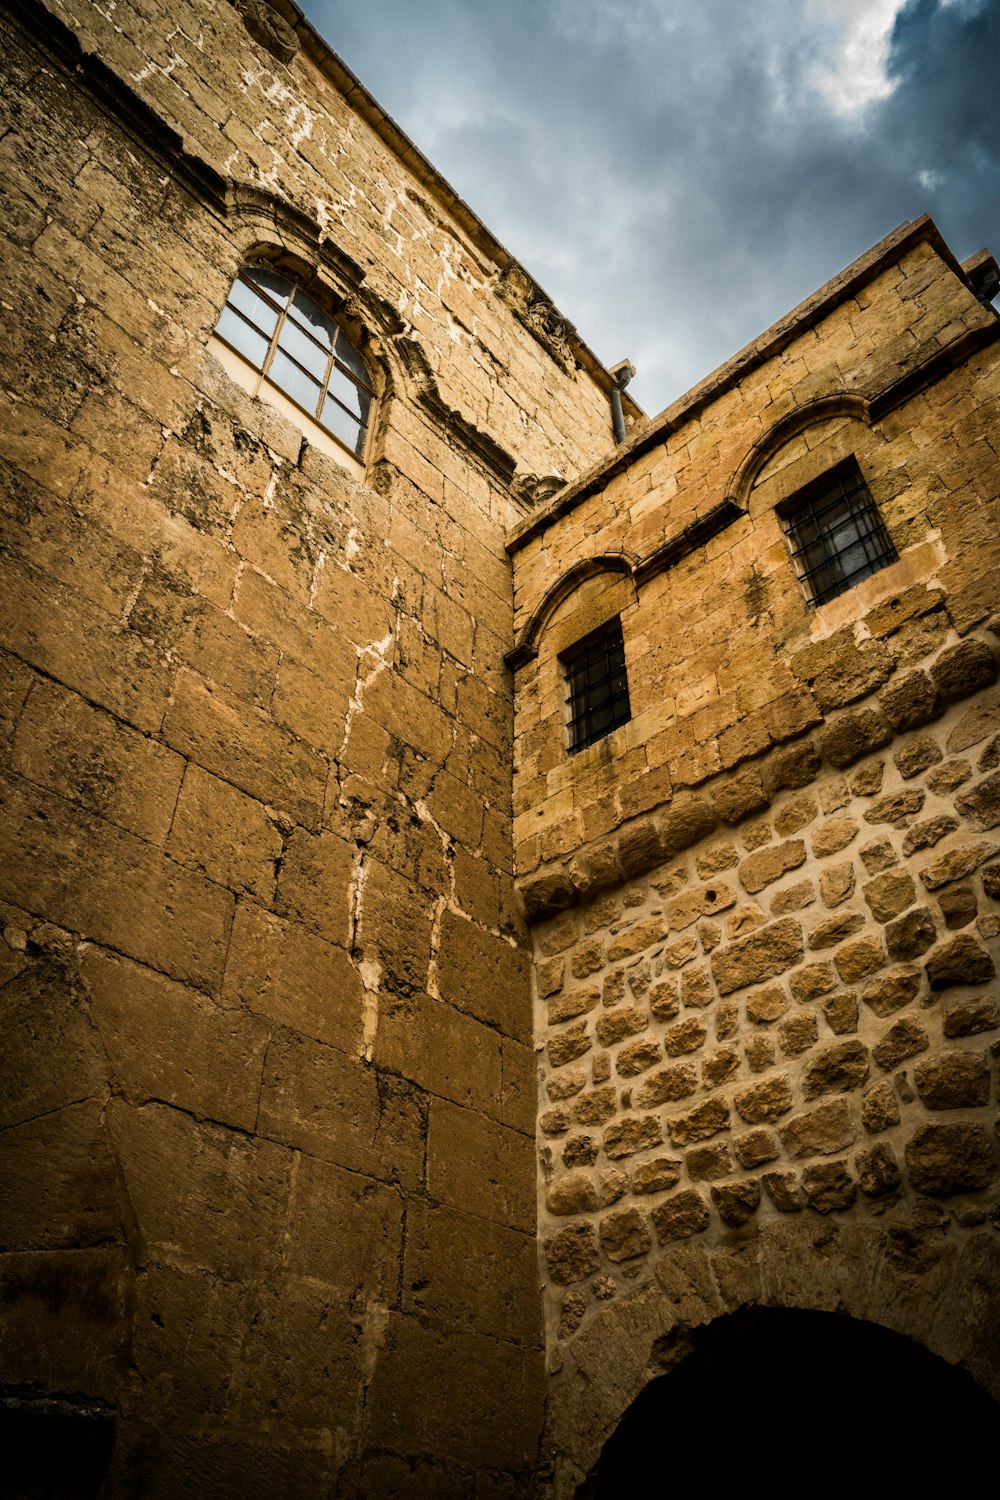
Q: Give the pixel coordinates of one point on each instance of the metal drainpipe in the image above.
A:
(622, 374)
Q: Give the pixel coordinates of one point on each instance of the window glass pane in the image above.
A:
(342, 425)
(244, 339)
(838, 537)
(277, 287)
(295, 382)
(348, 394)
(313, 319)
(260, 313)
(349, 356)
(302, 348)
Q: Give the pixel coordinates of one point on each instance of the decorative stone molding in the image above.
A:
(268, 28)
(522, 295)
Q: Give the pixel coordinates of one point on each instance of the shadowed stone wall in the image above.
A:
(268, 1102)
(765, 910)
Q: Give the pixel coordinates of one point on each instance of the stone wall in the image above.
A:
(268, 1107)
(765, 910)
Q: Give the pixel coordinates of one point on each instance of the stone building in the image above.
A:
(315, 520)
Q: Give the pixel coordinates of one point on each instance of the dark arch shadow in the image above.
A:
(801, 1396)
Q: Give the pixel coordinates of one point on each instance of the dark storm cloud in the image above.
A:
(676, 175)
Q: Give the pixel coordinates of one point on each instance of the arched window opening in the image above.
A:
(285, 348)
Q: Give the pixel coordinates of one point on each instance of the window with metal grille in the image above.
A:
(836, 534)
(298, 347)
(598, 686)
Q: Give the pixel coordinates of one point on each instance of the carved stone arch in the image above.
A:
(773, 439)
(942, 1293)
(526, 647)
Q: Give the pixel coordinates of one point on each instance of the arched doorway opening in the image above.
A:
(803, 1394)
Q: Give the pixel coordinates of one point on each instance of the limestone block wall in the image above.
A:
(268, 1103)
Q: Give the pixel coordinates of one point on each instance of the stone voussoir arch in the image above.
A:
(771, 441)
(941, 1292)
(526, 647)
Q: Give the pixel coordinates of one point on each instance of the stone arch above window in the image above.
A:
(283, 346)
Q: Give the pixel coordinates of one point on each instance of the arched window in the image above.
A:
(291, 352)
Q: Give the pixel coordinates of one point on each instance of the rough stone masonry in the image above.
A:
(302, 886)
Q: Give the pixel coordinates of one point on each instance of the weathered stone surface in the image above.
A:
(784, 1192)
(830, 931)
(911, 934)
(685, 824)
(880, 1108)
(910, 701)
(925, 835)
(656, 1175)
(765, 954)
(899, 809)
(699, 1123)
(616, 1024)
(797, 1033)
(634, 1133)
(877, 1169)
(953, 1080)
(964, 669)
(571, 1254)
(554, 1121)
(639, 847)
(946, 1157)
(793, 898)
(766, 1005)
(829, 1188)
(767, 865)
(889, 894)
(580, 1151)
(969, 1017)
(718, 1067)
(904, 1038)
(820, 1131)
(755, 1147)
(836, 1070)
(840, 1012)
(573, 1193)
(572, 1310)
(855, 960)
(595, 1107)
(707, 1163)
(625, 1234)
(664, 999)
(566, 1046)
(666, 1085)
(836, 884)
(891, 990)
(766, 1101)
(696, 988)
(833, 836)
(679, 1217)
(797, 813)
(573, 1003)
(736, 1201)
(812, 980)
(853, 735)
(957, 863)
(738, 796)
(878, 855)
(958, 907)
(960, 961)
(635, 940)
(867, 780)
(991, 882)
(759, 1052)
(916, 756)
(980, 807)
(613, 1185)
(636, 1057)
(687, 1036)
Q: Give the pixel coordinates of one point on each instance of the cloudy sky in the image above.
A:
(677, 174)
